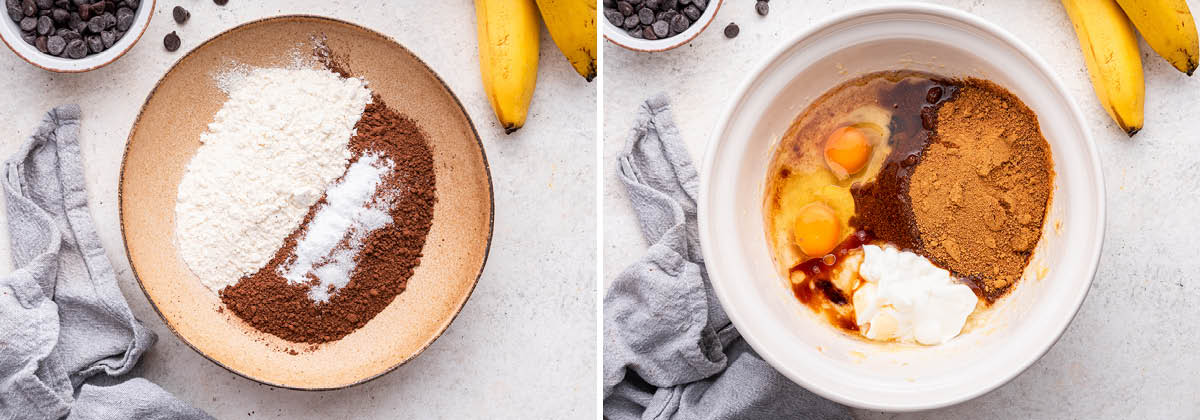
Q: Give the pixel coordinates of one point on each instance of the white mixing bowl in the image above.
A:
(1021, 327)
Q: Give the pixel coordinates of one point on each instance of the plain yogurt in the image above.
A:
(906, 298)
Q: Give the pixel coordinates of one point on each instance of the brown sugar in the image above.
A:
(980, 193)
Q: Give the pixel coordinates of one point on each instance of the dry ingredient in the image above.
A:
(979, 195)
(171, 41)
(273, 147)
(72, 28)
(271, 303)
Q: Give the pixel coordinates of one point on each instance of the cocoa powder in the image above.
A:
(271, 304)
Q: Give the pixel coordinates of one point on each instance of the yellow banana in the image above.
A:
(508, 33)
(1110, 50)
(572, 24)
(1168, 26)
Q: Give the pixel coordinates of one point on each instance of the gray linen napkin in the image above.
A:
(66, 333)
(670, 351)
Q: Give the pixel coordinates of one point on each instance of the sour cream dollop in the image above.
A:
(907, 298)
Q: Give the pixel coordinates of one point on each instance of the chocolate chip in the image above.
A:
(625, 8)
(702, 4)
(45, 25)
(680, 23)
(927, 117)
(646, 16)
(28, 8)
(132, 3)
(691, 12)
(95, 45)
(661, 29)
(221, 2)
(614, 17)
(124, 19)
(762, 8)
(62, 4)
(56, 44)
(28, 24)
(40, 43)
(934, 94)
(96, 24)
(731, 31)
(68, 34)
(648, 33)
(631, 22)
(29, 38)
(108, 38)
(171, 41)
(60, 16)
(181, 15)
(76, 23)
(85, 12)
(610, 3)
(44, 4)
(14, 12)
(652, 4)
(670, 4)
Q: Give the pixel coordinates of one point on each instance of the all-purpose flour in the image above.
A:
(267, 157)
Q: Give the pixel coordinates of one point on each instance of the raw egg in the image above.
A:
(817, 230)
(847, 151)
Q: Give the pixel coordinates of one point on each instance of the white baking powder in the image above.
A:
(273, 147)
(354, 207)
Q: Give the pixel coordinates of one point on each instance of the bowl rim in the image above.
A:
(991, 29)
(665, 43)
(36, 62)
(486, 167)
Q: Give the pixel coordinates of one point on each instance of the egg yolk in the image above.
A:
(847, 151)
(817, 230)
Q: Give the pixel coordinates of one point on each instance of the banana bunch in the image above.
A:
(1106, 35)
(509, 41)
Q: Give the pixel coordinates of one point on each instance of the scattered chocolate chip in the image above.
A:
(45, 25)
(171, 41)
(927, 117)
(55, 45)
(221, 2)
(731, 31)
(762, 8)
(77, 49)
(40, 43)
(181, 15)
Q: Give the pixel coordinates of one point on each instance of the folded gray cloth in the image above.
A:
(67, 333)
(670, 351)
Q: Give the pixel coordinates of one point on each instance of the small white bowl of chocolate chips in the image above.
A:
(656, 25)
(73, 36)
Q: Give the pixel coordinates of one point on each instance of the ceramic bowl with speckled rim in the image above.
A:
(167, 134)
(1016, 331)
(11, 35)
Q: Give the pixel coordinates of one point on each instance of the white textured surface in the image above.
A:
(523, 347)
(1129, 350)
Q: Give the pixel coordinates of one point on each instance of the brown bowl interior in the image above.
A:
(165, 137)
